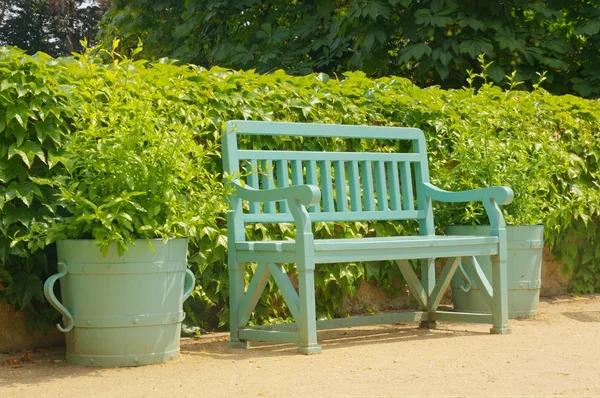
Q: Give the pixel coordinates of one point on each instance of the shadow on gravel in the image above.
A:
(583, 316)
(330, 339)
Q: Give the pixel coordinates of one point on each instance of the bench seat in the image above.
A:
(373, 249)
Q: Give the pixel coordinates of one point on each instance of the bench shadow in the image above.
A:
(583, 316)
(218, 348)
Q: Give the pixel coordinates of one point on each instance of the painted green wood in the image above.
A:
(348, 186)
(501, 195)
(446, 316)
(306, 194)
(380, 186)
(251, 297)
(312, 179)
(282, 327)
(392, 242)
(353, 254)
(413, 283)
(428, 273)
(353, 321)
(283, 180)
(297, 178)
(378, 319)
(474, 271)
(332, 156)
(443, 282)
(235, 233)
(393, 185)
(327, 187)
(367, 178)
(121, 310)
(341, 199)
(407, 187)
(287, 289)
(336, 216)
(245, 127)
(267, 182)
(252, 181)
(269, 335)
(354, 183)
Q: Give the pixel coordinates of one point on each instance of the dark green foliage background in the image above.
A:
(428, 41)
(545, 147)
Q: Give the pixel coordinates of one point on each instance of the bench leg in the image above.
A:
(236, 294)
(307, 324)
(500, 298)
(428, 282)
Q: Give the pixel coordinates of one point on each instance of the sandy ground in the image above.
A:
(556, 354)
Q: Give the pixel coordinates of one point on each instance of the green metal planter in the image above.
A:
(121, 311)
(525, 245)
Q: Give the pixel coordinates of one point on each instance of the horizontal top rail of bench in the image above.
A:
(323, 130)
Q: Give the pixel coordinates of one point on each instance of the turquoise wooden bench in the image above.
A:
(303, 187)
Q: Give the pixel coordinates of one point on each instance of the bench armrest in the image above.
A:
(307, 195)
(501, 195)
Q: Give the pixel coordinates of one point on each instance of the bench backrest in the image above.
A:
(354, 186)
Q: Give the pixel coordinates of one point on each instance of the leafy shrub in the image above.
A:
(136, 156)
(112, 152)
(546, 147)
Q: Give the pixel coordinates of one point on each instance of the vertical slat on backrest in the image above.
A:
(326, 185)
(297, 172)
(367, 185)
(341, 199)
(252, 181)
(393, 185)
(380, 188)
(311, 178)
(424, 204)
(282, 181)
(407, 186)
(266, 168)
(353, 180)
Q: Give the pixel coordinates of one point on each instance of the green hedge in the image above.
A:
(545, 147)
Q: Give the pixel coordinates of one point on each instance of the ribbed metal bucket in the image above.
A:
(525, 245)
(126, 311)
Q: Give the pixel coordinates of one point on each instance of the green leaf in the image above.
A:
(436, 5)
(415, 51)
(589, 28)
(183, 29)
(442, 70)
(496, 73)
(25, 287)
(4, 252)
(20, 112)
(24, 191)
(45, 128)
(475, 47)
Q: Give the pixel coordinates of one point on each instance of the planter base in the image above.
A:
(525, 246)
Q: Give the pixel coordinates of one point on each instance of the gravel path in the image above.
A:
(556, 354)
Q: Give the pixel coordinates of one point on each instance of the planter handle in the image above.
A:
(468, 284)
(190, 283)
(49, 293)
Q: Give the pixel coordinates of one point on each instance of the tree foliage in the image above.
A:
(429, 41)
(51, 26)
